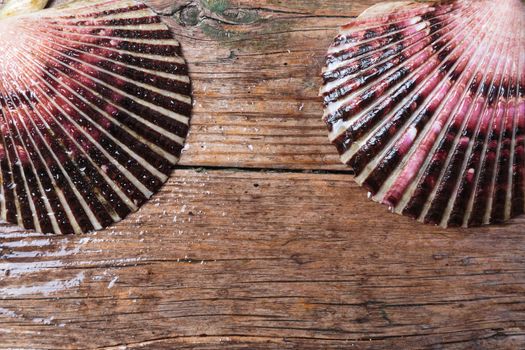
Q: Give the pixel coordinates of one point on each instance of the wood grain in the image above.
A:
(256, 84)
(273, 257)
(267, 260)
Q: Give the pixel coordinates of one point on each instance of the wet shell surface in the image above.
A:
(425, 101)
(95, 106)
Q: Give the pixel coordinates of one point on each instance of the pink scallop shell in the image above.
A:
(94, 109)
(425, 101)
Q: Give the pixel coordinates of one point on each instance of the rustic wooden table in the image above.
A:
(260, 239)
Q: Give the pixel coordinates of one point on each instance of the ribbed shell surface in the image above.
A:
(94, 110)
(425, 101)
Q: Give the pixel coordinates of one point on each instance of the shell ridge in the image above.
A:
(393, 30)
(424, 103)
(374, 60)
(473, 166)
(143, 195)
(470, 165)
(404, 78)
(518, 205)
(176, 128)
(505, 178)
(94, 222)
(390, 14)
(38, 218)
(63, 146)
(174, 136)
(413, 163)
(467, 137)
(110, 41)
(349, 154)
(479, 207)
(331, 70)
(140, 186)
(94, 113)
(399, 140)
(13, 159)
(19, 180)
(418, 198)
(137, 157)
(498, 201)
(450, 130)
(94, 8)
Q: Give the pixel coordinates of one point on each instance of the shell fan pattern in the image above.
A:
(425, 101)
(95, 106)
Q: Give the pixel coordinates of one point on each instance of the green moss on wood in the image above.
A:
(216, 6)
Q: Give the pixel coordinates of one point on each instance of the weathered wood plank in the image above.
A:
(255, 68)
(264, 260)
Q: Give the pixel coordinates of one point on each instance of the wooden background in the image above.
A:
(260, 239)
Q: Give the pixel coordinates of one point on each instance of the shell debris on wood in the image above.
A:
(95, 103)
(425, 101)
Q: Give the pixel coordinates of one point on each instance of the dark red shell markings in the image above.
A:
(95, 106)
(426, 102)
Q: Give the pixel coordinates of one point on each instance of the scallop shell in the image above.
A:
(95, 106)
(425, 101)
